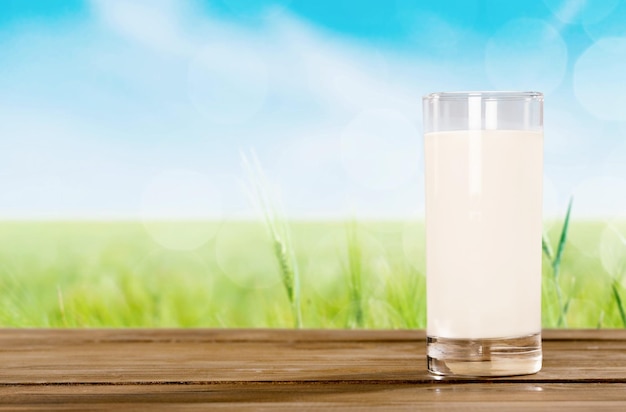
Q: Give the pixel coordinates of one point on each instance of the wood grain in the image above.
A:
(433, 396)
(258, 369)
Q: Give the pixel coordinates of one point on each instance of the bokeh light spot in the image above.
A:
(414, 243)
(228, 84)
(526, 54)
(380, 149)
(601, 196)
(244, 254)
(611, 25)
(181, 209)
(613, 251)
(599, 79)
(550, 202)
(581, 11)
(330, 277)
(309, 170)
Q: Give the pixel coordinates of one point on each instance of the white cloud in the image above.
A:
(156, 24)
(284, 60)
(284, 81)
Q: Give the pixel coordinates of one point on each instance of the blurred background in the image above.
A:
(107, 103)
(139, 110)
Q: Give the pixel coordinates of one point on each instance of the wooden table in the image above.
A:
(282, 369)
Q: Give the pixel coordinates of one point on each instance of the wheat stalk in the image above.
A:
(555, 262)
(355, 272)
(278, 231)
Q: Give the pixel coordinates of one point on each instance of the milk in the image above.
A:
(483, 233)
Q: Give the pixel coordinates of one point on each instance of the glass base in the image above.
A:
(484, 357)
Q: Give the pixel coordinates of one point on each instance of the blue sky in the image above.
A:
(140, 108)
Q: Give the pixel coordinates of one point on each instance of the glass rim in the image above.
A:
(484, 95)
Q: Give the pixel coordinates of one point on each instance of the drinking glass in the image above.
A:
(483, 174)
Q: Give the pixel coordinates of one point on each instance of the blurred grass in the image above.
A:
(114, 274)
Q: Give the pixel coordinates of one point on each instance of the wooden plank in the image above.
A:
(431, 396)
(25, 336)
(240, 356)
(28, 337)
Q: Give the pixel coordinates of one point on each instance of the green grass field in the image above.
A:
(82, 274)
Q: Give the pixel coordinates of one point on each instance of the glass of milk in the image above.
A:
(483, 173)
